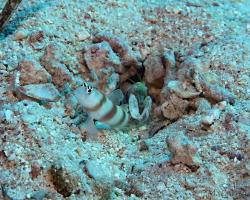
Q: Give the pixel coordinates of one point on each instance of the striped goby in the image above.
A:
(100, 107)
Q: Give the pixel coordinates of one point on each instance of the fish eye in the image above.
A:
(89, 89)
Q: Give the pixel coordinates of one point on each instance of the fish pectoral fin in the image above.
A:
(116, 97)
(91, 128)
(102, 125)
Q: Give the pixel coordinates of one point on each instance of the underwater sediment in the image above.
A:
(179, 69)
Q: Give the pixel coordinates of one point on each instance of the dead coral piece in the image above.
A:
(183, 150)
(51, 62)
(104, 176)
(174, 108)
(39, 195)
(98, 56)
(192, 70)
(31, 73)
(64, 182)
(104, 66)
(106, 79)
(41, 92)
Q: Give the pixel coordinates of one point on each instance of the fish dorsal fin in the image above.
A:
(116, 96)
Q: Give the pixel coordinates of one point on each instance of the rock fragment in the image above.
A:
(143, 146)
(83, 35)
(36, 40)
(103, 173)
(154, 71)
(134, 187)
(63, 181)
(214, 92)
(21, 35)
(169, 63)
(51, 62)
(174, 108)
(183, 150)
(120, 46)
(31, 73)
(8, 115)
(169, 59)
(35, 170)
(39, 195)
(100, 55)
(108, 80)
(37, 37)
(213, 114)
(182, 90)
(202, 106)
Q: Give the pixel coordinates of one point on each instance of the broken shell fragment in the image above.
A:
(42, 92)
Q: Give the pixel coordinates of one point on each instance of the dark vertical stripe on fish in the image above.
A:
(110, 114)
(121, 120)
(98, 105)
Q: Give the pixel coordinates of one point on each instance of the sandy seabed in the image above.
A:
(195, 57)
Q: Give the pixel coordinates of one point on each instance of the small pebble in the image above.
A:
(83, 35)
(20, 35)
(8, 114)
(161, 186)
(143, 146)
